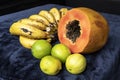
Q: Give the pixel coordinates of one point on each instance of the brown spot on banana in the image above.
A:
(27, 30)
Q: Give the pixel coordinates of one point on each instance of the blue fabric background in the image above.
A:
(17, 63)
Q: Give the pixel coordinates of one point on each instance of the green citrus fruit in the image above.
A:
(61, 52)
(50, 65)
(41, 48)
(75, 63)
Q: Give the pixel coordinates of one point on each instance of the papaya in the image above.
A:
(83, 30)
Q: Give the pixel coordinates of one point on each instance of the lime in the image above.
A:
(41, 48)
(61, 52)
(50, 65)
(75, 63)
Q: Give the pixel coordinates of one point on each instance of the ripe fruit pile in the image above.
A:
(79, 30)
(38, 26)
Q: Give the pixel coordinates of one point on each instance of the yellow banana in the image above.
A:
(27, 30)
(63, 11)
(37, 26)
(26, 42)
(48, 15)
(53, 25)
(55, 12)
(40, 18)
(34, 23)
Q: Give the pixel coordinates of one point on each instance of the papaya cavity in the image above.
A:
(73, 30)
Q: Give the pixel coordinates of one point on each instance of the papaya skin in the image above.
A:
(94, 30)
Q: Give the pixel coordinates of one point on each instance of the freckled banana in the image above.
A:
(48, 15)
(26, 42)
(63, 11)
(55, 12)
(40, 18)
(38, 26)
(34, 23)
(27, 30)
(52, 28)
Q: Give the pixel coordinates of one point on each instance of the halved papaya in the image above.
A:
(83, 30)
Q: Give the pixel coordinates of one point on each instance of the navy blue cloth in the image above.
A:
(17, 63)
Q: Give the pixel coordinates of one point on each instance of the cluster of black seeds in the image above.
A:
(73, 30)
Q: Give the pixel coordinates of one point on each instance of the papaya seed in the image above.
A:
(73, 30)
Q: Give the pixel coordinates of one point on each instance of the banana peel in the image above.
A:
(47, 15)
(27, 30)
(40, 18)
(26, 42)
(34, 23)
(53, 25)
(63, 11)
(38, 26)
(55, 12)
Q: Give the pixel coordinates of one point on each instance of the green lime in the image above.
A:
(75, 63)
(61, 52)
(41, 48)
(50, 65)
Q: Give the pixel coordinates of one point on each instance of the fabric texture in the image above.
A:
(17, 63)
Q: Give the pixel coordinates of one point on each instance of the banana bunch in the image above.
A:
(37, 26)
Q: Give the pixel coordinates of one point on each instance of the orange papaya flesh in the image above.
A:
(83, 30)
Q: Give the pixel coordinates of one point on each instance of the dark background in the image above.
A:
(109, 6)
